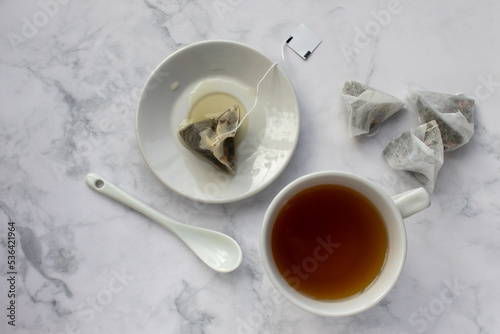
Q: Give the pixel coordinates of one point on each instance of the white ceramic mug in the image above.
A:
(393, 210)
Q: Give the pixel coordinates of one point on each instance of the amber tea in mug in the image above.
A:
(329, 242)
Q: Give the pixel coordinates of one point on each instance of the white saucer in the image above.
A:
(265, 150)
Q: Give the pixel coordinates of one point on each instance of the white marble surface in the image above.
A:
(70, 75)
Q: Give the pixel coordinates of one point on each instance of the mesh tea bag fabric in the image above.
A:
(454, 115)
(367, 107)
(418, 152)
(201, 138)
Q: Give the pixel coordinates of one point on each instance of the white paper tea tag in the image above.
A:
(303, 41)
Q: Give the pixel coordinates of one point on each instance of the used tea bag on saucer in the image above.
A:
(213, 139)
(453, 113)
(367, 107)
(418, 152)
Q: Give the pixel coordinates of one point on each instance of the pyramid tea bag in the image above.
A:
(367, 107)
(213, 139)
(418, 152)
(454, 115)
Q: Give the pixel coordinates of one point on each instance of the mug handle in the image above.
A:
(412, 201)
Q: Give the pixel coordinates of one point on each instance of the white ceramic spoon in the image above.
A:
(219, 251)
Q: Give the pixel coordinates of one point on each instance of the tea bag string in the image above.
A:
(216, 141)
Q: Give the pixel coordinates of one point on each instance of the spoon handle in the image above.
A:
(107, 188)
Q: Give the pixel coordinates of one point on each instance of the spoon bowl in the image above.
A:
(219, 251)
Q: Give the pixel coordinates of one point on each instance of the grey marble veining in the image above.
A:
(71, 73)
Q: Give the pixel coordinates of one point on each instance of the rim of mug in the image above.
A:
(387, 277)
